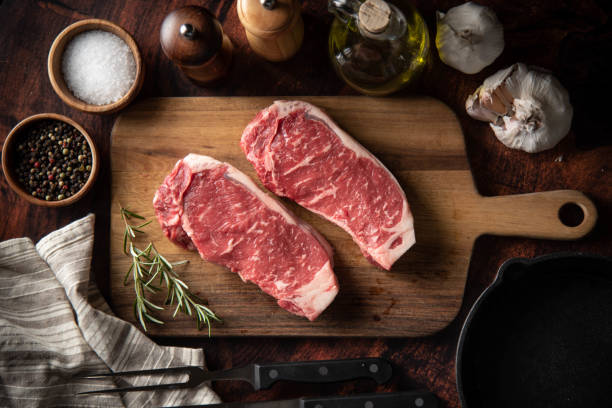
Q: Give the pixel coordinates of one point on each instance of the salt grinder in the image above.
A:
(274, 28)
(194, 40)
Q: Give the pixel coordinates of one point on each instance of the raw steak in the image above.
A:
(212, 207)
(300, 153)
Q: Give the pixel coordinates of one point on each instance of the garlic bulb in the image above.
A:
(528, 108)
(469, 37)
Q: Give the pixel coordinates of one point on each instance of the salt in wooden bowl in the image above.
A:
(54, 66)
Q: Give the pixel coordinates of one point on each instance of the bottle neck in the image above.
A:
(344, 10)
(376, 19)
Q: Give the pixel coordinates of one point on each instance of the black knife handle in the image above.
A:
(411, 399)
(325, 371)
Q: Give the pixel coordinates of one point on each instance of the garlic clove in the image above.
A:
(469, 37)
(528, 108)
(489, 102)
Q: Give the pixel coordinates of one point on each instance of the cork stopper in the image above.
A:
(374, 16)
(190, 36)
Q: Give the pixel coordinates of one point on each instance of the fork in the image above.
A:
(262, 376)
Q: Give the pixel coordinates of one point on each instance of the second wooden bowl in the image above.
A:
(54, 65)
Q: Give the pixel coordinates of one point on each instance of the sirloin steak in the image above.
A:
(214, 208)
(300, 153)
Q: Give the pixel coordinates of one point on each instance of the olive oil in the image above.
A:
(380, 49)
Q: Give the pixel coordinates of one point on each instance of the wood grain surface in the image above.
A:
(423, 291)
(572, 38)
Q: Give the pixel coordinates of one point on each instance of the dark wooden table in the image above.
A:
(571, 38)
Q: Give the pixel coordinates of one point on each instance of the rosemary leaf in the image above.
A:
(180, 282)
(151, 304)
(153, 319)
(127, 275)
(188, 308)
(130, 214)
(178, 309)
(165, 262)
(144, 224)
(152, 289)
(125, 241)
(138, 313)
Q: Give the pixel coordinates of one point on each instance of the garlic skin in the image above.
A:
(469, 37)
(528, 108)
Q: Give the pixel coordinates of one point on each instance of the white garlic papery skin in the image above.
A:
(469, 37)
(528, 108)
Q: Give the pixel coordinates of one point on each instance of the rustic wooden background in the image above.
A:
(573, 38)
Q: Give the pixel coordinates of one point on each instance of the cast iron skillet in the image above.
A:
(540, 336)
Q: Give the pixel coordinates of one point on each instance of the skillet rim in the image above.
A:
(497, 281)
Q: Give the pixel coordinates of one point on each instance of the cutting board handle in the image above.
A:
(535, 215)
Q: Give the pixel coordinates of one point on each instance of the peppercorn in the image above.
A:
(53, 160)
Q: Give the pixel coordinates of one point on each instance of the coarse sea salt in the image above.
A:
(98, 67)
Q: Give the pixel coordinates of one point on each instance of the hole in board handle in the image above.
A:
(571, 214)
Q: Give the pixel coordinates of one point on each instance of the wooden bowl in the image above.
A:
(8, 157)
(54, 65)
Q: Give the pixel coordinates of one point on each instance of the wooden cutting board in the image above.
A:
(419, 139)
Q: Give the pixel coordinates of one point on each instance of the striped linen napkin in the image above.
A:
(55, 325)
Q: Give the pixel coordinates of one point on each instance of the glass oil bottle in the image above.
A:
(377, 46)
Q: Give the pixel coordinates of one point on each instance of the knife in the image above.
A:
(262, 376)
(410, 399)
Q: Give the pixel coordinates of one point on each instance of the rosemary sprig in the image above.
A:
(130, 231)
(146, 266)
(143, 308)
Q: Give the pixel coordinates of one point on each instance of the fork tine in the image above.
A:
(195, 377)
(138, 388)
(187, 370)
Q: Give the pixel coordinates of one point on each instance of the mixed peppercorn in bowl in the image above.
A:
(50, 160)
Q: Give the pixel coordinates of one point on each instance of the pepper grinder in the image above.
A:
(274, 28)
(193, 39)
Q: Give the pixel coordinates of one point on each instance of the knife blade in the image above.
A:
(407, 399)
(262, 376)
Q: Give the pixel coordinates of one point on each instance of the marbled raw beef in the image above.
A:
(214, 208)
(300, 153)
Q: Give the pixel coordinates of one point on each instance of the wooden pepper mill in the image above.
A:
(194, 40)
(274, 28)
